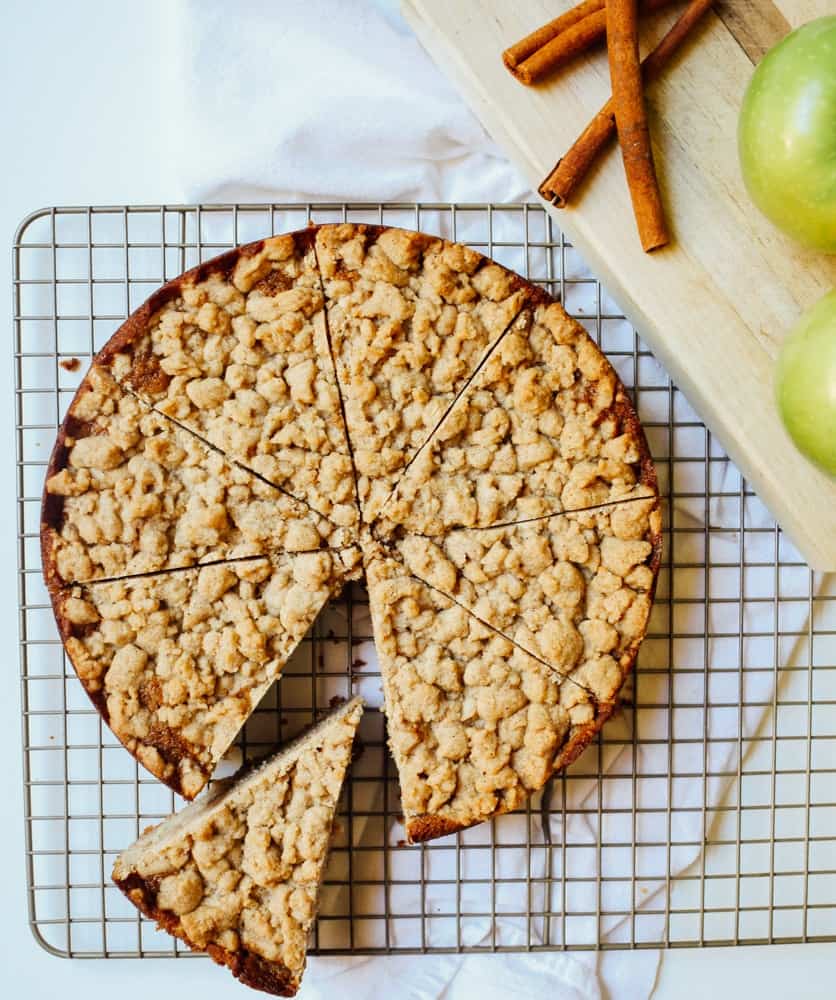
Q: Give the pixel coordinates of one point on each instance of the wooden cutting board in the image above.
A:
(716, 304)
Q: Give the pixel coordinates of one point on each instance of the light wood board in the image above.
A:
(716, 304)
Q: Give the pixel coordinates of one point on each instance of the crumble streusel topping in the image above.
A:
(238, 352)
(544, 427)
(134, 493)
(475, 724)
(179, 661)
(574, 589)
(243, 870)
(240, 356)
(410, 318)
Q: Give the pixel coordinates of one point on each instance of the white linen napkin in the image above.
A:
(319, 100)
(316, 100)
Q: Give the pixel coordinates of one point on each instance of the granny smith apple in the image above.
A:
(806, 383)
(787, 135)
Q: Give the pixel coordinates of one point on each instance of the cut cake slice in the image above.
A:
(236, 351)
(410, 319)
(475, 723)
(238, 874)
(177, 662)
(545, 426)
(574, 590)
(129, 492)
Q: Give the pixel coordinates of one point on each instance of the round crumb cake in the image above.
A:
(347, 401)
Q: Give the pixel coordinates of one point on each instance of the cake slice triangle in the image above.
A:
(236, 351)
(545, 426)
(410, 319)
(574, 590)
(130, 492)
(238, 873)
(176, 662)
(475, 724)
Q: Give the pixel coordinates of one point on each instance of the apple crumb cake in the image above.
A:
(343, 400)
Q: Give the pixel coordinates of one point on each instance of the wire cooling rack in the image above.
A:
(704, 814)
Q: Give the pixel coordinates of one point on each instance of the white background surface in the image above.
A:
(83, 87)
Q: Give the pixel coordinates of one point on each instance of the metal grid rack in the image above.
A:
(704, 814)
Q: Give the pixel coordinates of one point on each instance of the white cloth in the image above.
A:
(327, 100)
(319, 100)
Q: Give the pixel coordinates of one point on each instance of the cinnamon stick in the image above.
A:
(573, 166)
(569, 43)
(562, 48)
(631, 122)
(527, 46)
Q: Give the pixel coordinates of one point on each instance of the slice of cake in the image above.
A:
(237, 874)
(129, 492)
(410, 318)
(574, 589)
(475, 723)
(236, 351)
(177, 662)
(545, 426)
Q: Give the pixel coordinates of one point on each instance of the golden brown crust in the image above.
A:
(48, 559)
(373, 232)
(421, 828)
(52, 505)
(254, 971)
(173, 751)
(582, 737)
(67, 630)
(628, 659)
(251, 969)
(628, 421)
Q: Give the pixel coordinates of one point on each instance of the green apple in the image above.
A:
(806, 383)
(787, 135)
